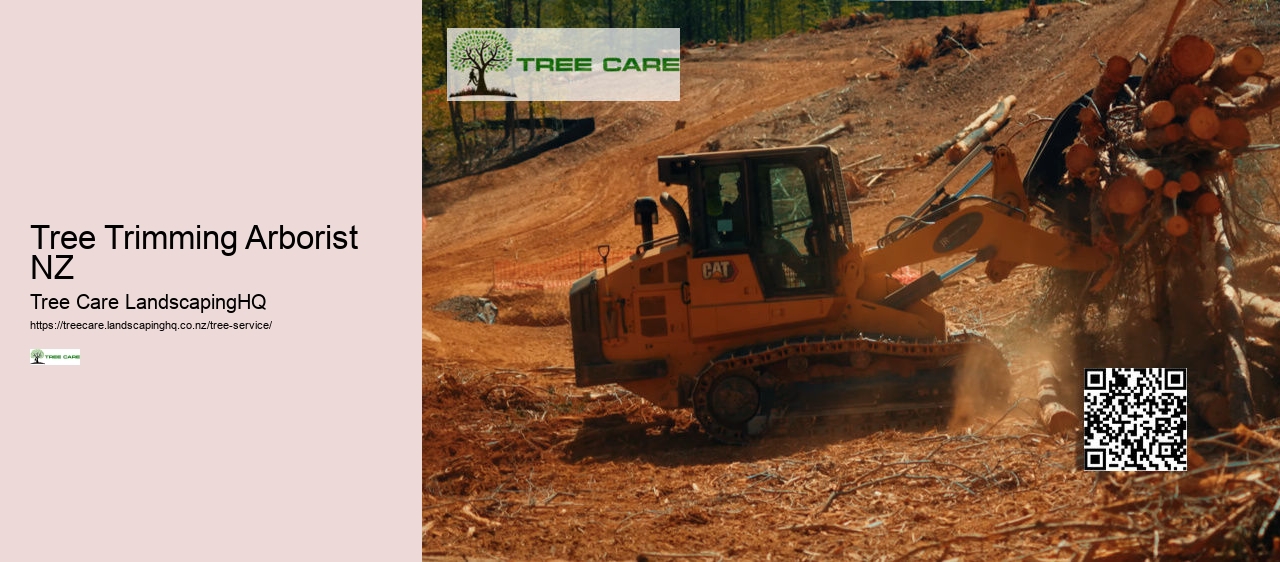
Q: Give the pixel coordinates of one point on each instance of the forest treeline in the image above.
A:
(450, 136)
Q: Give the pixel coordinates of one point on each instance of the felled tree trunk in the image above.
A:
(1186, 60)
(830, 133)
(1232, 70)
(937, 151)
(455, 125)
(1151, 139)
(1113, 78)
(1256, 103)
(1151, 178)
(1235, 364)
(962, 148)
(1261, 316)
(1057, 418)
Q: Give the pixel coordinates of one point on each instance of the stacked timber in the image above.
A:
(1158, 161)
(1161, 148)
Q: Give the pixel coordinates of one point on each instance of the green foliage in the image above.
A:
(904, 10)
(437, 17)
(435, 114)
(570, 13)
(480, 49)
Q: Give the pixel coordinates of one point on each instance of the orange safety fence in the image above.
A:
(556, 273)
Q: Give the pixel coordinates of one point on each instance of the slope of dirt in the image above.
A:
(519, 464)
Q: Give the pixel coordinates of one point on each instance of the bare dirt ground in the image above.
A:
(519, 464)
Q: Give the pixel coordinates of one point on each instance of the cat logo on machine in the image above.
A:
(723, 270)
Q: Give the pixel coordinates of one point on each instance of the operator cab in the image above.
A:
(780, 207)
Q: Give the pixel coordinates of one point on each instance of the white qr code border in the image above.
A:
(1135, 419)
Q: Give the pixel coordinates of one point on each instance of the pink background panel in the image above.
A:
(298, 443)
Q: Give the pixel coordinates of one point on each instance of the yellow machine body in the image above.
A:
(765, 258)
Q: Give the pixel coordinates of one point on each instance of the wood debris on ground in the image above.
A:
(962, 39)
(901, 494)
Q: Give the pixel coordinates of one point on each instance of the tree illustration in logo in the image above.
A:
(478, 51)
(36, 354)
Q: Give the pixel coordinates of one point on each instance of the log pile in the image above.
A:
(1183, 130)
(1159, 161)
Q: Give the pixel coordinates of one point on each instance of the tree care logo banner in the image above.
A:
(54, 356)
(511, 64)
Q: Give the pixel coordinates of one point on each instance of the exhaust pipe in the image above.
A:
(677, 214)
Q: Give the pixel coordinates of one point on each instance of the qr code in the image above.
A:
(1135, 419)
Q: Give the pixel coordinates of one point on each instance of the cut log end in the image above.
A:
(1118, 68)
(1189, 180)
(1246, 60)
(1203, 123)
(1058, 419)
(1151, 178)
(1207, 205)
(1192, 56)
(1186, 61)
(1126, 196)
(1091, 129)
(1158, 114)
(1079, 158)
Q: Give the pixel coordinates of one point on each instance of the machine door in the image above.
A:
(751, 259)
(792, 243)
(724, 294)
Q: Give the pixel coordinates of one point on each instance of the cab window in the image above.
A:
(724, 216)
(789, 243)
